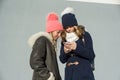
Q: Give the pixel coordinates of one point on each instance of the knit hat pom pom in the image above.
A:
(67, 10)
(52, 16)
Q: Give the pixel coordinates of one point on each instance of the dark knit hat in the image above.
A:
(68, 18)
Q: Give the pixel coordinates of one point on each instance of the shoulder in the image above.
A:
(87, 36)
(87, 33)
(39, 37)
(42, 39)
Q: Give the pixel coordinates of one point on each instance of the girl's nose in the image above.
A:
(68, 29)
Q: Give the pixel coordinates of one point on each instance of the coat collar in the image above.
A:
(35, 36)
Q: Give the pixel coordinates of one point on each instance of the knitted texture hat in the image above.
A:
(52, 22)
(68, 17)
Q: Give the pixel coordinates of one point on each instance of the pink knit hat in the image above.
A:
(52, 23)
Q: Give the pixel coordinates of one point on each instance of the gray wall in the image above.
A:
(19, 19)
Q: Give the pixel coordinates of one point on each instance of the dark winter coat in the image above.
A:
(84, 54)
(43, 59)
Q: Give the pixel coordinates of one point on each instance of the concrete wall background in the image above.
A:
(19, 19)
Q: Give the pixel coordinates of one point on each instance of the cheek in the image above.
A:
(72, 30)
(56, 36)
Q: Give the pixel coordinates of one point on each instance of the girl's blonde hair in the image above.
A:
(54, 42)
(79, 31)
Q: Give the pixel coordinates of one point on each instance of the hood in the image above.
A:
(34, 37)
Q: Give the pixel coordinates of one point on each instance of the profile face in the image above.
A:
(56, 34)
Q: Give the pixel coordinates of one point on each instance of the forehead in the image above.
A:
(57, 31)
(69, 27)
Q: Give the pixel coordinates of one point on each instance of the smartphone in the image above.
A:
(67, 43)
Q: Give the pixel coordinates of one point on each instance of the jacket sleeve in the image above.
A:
(63, 57)
(86, 50)
(37, 58)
